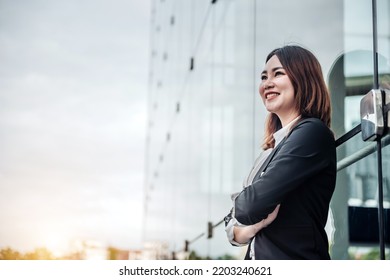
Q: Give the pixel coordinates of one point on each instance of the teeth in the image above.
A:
(270, 95)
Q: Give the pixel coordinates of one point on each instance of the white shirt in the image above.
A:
(278, 136)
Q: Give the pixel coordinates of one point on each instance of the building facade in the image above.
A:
(206, 118)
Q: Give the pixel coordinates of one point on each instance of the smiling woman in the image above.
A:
(282, 210)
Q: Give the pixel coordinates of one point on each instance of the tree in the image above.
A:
(10, 254)
(39, 254)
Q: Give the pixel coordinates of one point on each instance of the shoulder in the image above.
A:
(312, 131)
(312, 124)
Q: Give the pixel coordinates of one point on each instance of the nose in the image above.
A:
(268, 84)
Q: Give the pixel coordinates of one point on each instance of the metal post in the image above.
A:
(378, 141)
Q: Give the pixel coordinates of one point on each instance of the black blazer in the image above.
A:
(300, 175)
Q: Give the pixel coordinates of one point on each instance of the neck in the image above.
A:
(285, 120)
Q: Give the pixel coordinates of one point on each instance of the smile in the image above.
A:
(270, 95)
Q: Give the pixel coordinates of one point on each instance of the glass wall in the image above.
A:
(206, 118)
(201, 129)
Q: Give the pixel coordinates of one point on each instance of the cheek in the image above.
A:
(291, 98)
(261, 92)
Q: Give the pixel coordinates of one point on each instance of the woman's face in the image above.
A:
(277, 91)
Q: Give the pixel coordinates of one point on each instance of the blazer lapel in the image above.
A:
(268, 160)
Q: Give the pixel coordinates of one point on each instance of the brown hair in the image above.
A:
(311, 93)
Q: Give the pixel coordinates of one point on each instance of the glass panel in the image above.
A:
(208, 113)
(386, 172)
(384, 80)
(362, 177)
(363, 203)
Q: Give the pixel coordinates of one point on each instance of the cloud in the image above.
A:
(73, 87)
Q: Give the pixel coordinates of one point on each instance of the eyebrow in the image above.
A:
(273, 69)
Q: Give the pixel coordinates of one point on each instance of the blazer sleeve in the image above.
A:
(305, 152)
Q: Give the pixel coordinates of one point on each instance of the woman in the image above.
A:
(283, 208)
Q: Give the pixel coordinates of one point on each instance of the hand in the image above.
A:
(244, 234)
(271, 217)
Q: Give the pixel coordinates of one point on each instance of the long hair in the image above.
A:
(312, 97)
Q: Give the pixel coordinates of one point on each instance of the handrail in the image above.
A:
(358, 155)
(344, 138)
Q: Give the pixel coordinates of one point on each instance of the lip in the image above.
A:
(269, 93)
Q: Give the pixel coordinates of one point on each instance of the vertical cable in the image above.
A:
(146, 180)
(254, 83)
(379, 142)
(211, 153)
(380, 202)
(375, 43)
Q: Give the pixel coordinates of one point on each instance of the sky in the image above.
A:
(73, 93)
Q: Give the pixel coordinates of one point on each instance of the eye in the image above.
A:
(278, 73)
(263, 77)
